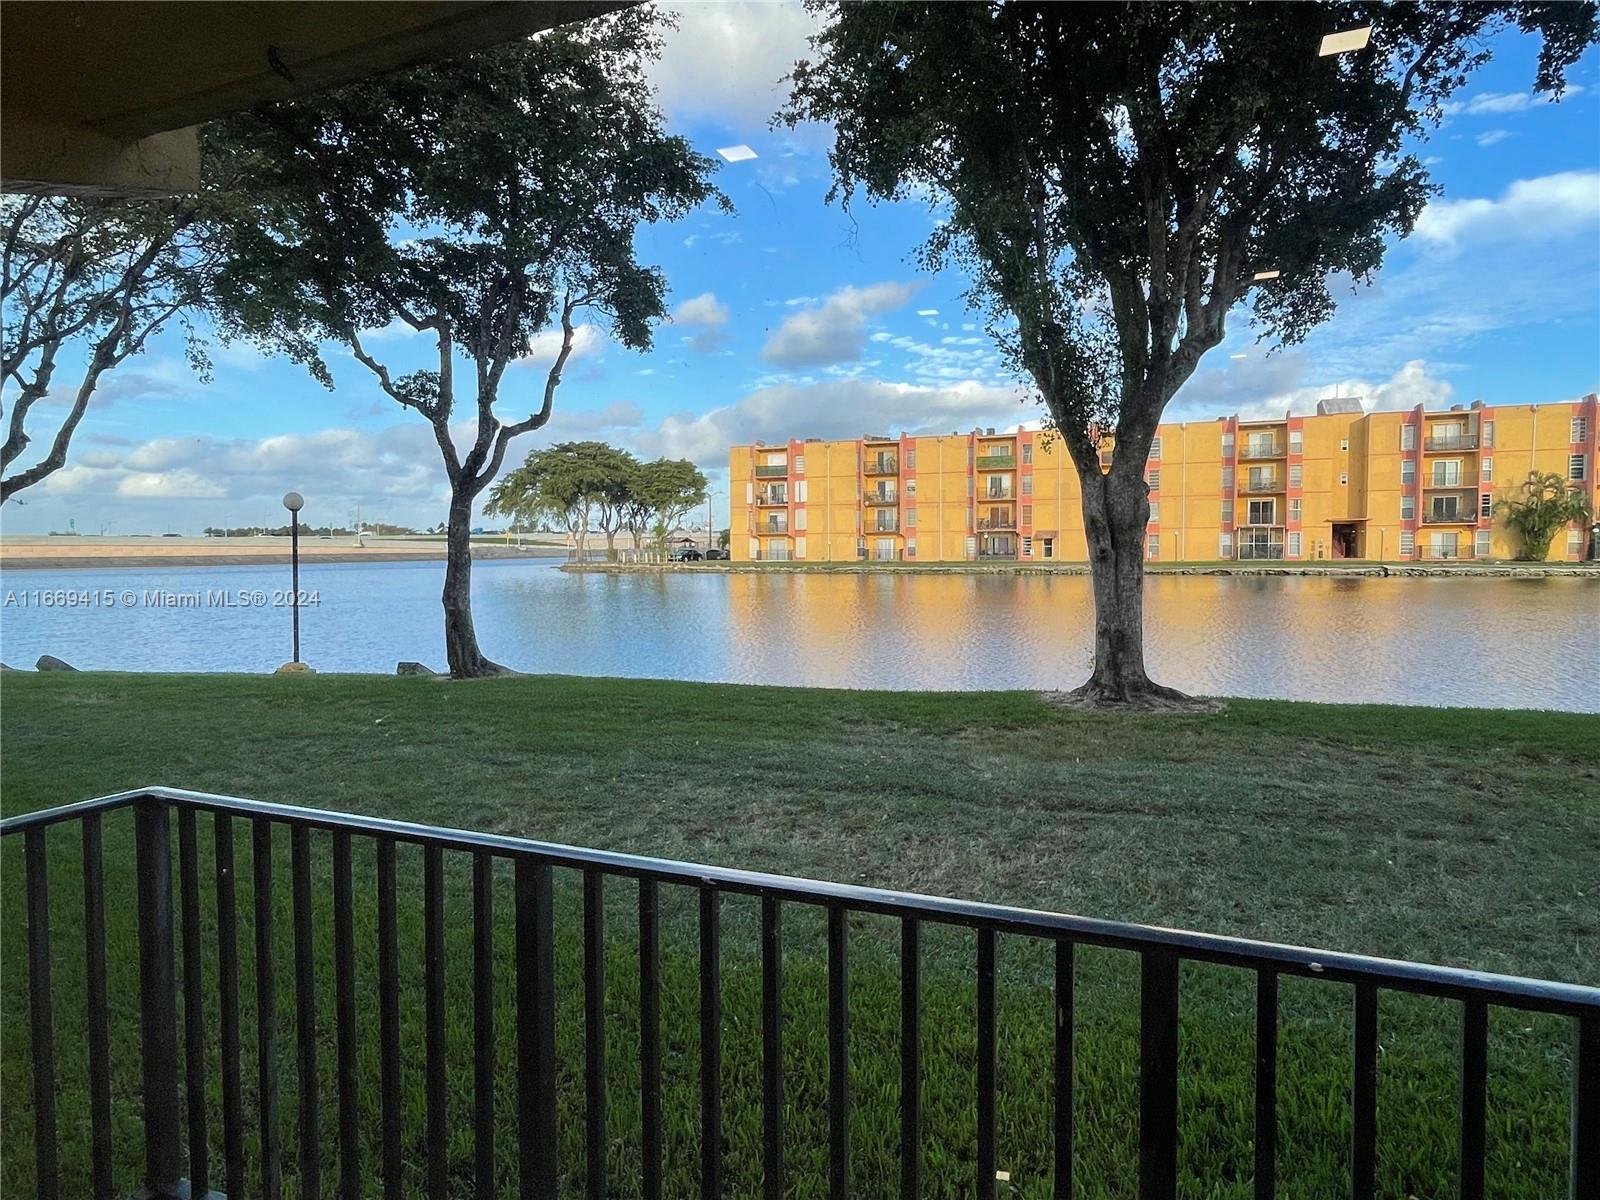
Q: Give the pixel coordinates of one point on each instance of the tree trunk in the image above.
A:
(611, 545)
(460, 639)
(1115, 512)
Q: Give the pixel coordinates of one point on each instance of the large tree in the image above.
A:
(490, 203)
(1543, 506)
(1116, 179)
(86, 283)
(661, 494)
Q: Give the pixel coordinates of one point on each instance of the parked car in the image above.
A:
(720, 555)
(685, 554)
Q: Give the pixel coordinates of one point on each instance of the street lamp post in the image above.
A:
(294, 502)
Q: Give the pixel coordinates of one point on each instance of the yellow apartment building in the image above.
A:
(1340, 484)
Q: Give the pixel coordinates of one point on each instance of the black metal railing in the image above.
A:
(886, 465)
(169, 923)
(771, 470)
(1448, 441)
(1261, 450)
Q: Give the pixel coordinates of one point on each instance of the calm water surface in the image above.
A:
(1519, 643)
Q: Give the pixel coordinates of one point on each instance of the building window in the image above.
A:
(1577, 467)
(1225, 545)
(1480, 544)
(1408, 543)
(799, 519)
(1049, 547)
(1580, 430)
(1447, 473)
(1408, 437)
(1027, 547)
(1155, 480)
(1574, 543)
(799, 464)
(1263, 512)
(1488, 434)
(969, 485)
(1486, 472)
(1155, 447)
(1294, 544)
(1295, 475)
(799, 547)
(1027, 485)
(1486, 505)
(1227, 445)
(1344, 479)
(911, 487)
(1408, 471)
(1153, 545)
(1227, 511)
(1294, 509)
(911, 547)
(1155, 512)
(1344, 443)
(1443, 545)
(1296, 442)
(911, 460)
(1408, 508)
(1227, 479)
(1027, 452)
(1027, 514)
(911, 518)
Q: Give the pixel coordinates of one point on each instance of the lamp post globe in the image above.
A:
(294, 501)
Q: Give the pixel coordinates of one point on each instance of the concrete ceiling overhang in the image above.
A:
(104, 97)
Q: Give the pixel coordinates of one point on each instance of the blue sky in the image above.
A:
(793, 317)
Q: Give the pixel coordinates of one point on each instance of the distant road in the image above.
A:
(23, 552)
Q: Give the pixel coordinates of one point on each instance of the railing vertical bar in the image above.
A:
(1474, 1093)
(158, 998)
(194, 1027)
(988, 1156)
(910, 1059)
(1585, 1172)
(1065, 1068)
(266, 1012)
(305, 1012)
(650, 1037)
(772, 1046)
(1266, 1084)
(98, 1010)
(594, 1033)
(1364, 1095)
(438, 1135)
(710, 1044)
(1158, 1075)
(344, 974)
(536, 1073)
(42, 1019)
(389, 1020)
(228, 1006)
(483, 1025)
(838, 1052)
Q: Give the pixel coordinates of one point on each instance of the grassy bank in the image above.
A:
(1459, 837)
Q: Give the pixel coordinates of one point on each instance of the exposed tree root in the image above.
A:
(1131, 696)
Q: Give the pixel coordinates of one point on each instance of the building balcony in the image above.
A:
(1263, 485)
(772, 499)
(772, 470)
(765, 528)
(882, 526)
(1260, 550)
(877, 498)
(997, 522)
(881, 466)
(1444, 553)
(996, 462)
(1466, 486)
(1445, 443)
(1263, 450)
(1450, 516)
(877, 554)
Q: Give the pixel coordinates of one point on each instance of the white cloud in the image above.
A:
(1493, 137)
(833, 408)
(1265, 387)
(726, 62)
(587, 339)
(835, 331)
(1500, 103)
(168, 485)
(1546, 207)
(704, 309)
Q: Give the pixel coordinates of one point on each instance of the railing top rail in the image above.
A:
(1398, 975)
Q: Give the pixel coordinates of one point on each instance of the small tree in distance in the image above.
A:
(662, 493)
(1116, 179)
(482, 201)
(1544, 507)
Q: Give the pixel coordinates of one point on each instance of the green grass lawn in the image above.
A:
(1461, 837)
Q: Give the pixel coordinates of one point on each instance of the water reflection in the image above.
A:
(1492, 642)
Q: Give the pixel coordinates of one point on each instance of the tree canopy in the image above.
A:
(1544, 505)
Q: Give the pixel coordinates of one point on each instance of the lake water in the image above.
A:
(1501, 642)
